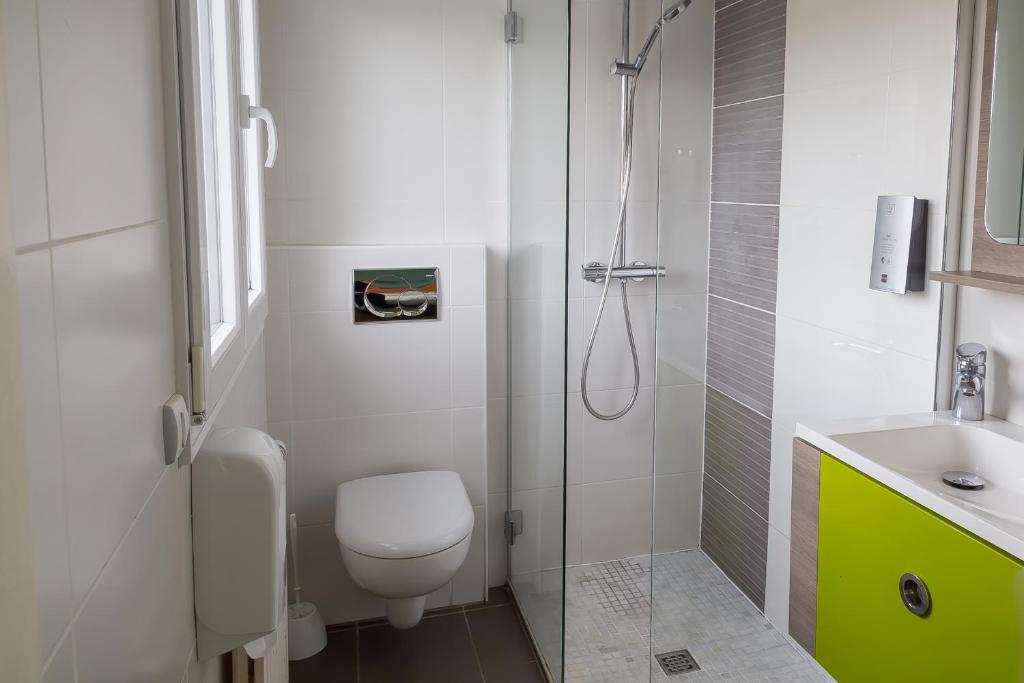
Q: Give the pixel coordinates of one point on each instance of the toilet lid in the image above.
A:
(406, 515)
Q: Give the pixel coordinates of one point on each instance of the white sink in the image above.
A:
(923, 454)
(910, 453)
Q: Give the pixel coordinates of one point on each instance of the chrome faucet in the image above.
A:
(969, 383)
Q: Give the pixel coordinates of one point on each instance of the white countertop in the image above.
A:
(1001, 532)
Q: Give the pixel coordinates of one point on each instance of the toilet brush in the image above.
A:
(306, 632)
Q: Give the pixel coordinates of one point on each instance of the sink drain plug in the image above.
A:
(967, 481)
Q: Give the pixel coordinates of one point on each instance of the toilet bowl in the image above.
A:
(403, 536)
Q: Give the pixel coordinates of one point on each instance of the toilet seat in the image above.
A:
(402, 516)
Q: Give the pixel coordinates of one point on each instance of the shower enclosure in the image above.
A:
(610, 149)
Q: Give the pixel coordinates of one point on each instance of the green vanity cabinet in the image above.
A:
(868, 538)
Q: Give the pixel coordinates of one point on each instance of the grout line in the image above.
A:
(750, 101)
(721, 203)
(472, 644)
(740, 303)
(53, 244)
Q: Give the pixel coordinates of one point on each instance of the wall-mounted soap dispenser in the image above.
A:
(239, 531)
(901, 243)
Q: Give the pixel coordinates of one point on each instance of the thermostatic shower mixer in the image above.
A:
(637, 271)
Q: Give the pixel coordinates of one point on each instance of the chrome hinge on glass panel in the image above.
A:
(197, 359)
(513, 525)
(512, 27)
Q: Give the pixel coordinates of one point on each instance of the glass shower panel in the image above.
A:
(538, 82)
(680, 571)
(610, 462)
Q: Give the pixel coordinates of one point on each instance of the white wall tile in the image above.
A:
(114, 339)
(485, 223)
(24, 118)
(776, 599)
(44, 447)
(468, 276)
(833, 141)
(537, 354)
(623, 448)
(469, 356)
(246, 403)
(337, 220)
(470, 583)
(103, 100)
(834, 246)
(497, 445)
(677, 502)
(278, 277)
(277, 333)
(540, 546)
(469, 447)
(330, 452)
(142, 585)
(343, 370)
(474, 101)
(679, 429)
(611, 365)
(616, 519)
(536, 443)
(497, 547)
(497, 349)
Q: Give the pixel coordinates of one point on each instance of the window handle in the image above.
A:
(252, 113)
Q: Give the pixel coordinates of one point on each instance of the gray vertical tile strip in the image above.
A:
(750, 51)
(741, 353)
(737, 452)
(744, 259)
(746, 152)
(746, 174)
(736, 539)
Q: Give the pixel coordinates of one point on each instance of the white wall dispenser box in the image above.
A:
(239, 531)
(901, 240)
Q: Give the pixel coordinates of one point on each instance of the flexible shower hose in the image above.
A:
(627, 171)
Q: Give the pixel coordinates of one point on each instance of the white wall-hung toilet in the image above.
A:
(403, 536)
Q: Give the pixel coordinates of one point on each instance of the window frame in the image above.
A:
(216, 353)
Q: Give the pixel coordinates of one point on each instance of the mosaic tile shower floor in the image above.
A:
(608, 624)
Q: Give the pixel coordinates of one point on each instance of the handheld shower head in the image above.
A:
(675, 10)
(670, 14)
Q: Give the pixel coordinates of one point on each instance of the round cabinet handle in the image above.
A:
(915, 595)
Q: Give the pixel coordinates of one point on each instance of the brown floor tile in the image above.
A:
(498, 596)
(336, 663)
(499, 639)
(437, 650)
(519, 672)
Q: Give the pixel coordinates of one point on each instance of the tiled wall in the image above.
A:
(393, 132)
(355, 401)
(112, 540)
(868, 112)
(750, 52)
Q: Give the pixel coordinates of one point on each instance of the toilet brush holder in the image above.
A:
(306, 632)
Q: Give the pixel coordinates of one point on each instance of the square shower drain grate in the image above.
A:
(677, 662)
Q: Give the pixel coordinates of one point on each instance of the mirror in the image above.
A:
(1004, 205)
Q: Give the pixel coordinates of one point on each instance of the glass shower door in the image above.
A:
(538, 118)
